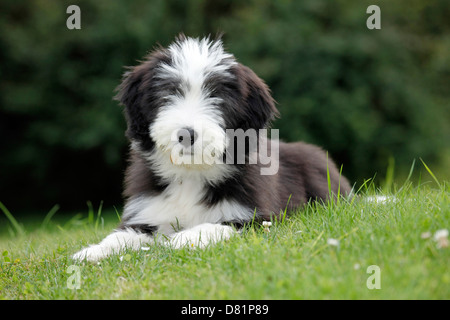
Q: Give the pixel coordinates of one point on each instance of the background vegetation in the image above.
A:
(365, 95)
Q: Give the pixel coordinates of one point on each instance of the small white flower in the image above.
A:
(145, 248)
(356, 266)
(443, 233)
(333, 242)
(441, 237)
(425, 235)
(267, 225)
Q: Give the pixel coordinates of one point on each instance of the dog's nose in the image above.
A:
(186, 136)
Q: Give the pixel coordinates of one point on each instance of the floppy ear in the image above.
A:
(138, 94)
(130, 94)
(259, 106)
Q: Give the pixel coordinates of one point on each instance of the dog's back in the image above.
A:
(302, 176)
(304, 170)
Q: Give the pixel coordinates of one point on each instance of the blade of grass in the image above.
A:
(339, 184)
(370, 185)
(117, 214)
(49, 215)
(360, 188)
(253, 219)
(316, 240)
(285, 209)
(411, 170)
(364, 185)
(328, 179)
(389, 180)
(407, 182)
(18, 228)
(431, 173)
(90, 212)
(99, 212)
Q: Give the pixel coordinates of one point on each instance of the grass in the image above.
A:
(320, 252)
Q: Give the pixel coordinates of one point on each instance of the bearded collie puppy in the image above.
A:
(201, 163)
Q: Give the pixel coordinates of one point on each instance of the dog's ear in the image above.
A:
(136, 93)
(130, 94)
(259, 106)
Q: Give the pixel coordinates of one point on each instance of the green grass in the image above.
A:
(294, 260)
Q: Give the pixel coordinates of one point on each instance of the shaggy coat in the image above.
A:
(186, 97)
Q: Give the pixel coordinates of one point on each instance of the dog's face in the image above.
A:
(180, 101)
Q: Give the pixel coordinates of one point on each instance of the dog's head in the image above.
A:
(180, 101)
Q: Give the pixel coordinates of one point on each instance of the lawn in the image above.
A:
(345, 250)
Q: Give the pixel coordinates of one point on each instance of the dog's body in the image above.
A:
(184, 179)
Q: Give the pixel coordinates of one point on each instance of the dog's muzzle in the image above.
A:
(186, 137)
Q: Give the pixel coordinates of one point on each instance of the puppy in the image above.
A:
(200, 157)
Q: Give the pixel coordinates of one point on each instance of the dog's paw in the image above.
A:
(114, 243)
(92, 253)
(201, 236)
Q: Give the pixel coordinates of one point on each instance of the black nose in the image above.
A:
(186, 136)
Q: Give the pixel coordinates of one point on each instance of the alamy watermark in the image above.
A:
(374, 280)
(235, 147)
(374, 20)
(74, 280)
(74, 20)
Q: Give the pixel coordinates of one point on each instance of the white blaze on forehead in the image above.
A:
(193, 60)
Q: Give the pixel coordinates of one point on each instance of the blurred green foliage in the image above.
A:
(364, 95)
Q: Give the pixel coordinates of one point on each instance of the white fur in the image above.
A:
(201, 236)
(163, 166)
(115, 243)
(178, 208)
(192, 62)
(179, 216)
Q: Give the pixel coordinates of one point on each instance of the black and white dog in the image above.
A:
(197, 124)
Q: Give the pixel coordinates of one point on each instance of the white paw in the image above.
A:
(92, 253)
(201, 236)
(115, 243)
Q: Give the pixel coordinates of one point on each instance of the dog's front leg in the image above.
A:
(114, 243)
(200, 236)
